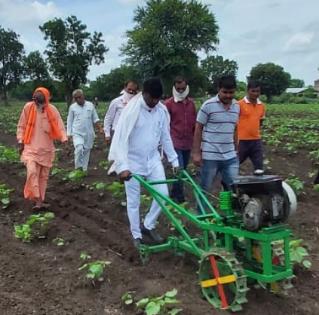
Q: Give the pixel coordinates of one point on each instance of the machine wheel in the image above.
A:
(222, 280)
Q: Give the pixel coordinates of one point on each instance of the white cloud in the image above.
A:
(250, 31)
(130, 1)
(299, 41)
(26, 13)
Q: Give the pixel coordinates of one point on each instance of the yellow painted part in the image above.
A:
(208, 283)
(220, 280)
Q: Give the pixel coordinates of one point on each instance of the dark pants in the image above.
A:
(177, 192)
(253, 150)
(316, 181)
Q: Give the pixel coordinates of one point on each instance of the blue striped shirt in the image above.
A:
(218, 132)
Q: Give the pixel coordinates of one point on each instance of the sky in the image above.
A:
(285, 32)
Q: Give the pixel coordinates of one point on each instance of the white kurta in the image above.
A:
(80, 126)
(150, 130)
(113, 114)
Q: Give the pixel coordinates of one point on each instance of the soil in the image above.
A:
(41, 278)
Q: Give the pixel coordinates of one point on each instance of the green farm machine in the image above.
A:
(243, 240)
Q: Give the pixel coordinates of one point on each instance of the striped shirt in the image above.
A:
(218, 132)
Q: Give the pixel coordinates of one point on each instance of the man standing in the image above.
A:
(142, 127)
(214, 143)
(182, 112)
(80, 126)
(39, 125)
(252, 112)
(116, 106)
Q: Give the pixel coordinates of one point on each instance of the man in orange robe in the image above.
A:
(39, 125)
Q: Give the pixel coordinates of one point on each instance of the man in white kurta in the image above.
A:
(80, 126)
(115, 109)
(142, 157)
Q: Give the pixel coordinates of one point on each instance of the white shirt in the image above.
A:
(81, 120)
(113, 114)
(150, 130)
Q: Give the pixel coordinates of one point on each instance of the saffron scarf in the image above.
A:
(55, 132)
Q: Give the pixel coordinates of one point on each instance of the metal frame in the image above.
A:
(222, 229)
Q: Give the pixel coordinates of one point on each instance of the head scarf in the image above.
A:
(55, 132)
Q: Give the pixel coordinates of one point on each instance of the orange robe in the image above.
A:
(39, 154)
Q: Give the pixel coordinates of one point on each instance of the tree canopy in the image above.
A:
(71, 50)
(273, 79)
(168, 35)
(11, 60)
(215, 67)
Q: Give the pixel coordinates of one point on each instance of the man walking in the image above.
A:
(39, 125)
(142, 127)
(214, 143)
(116, 106)
(252, 112)
(80, 126)
(182, 112)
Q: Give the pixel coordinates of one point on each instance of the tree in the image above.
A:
(108, 86)
(167, 36)
(296, 83)
(11, 57)
(35, 67)
(71, 50)
(273, 79)
(215, 67)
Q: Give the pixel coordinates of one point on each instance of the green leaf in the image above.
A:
(307, 264)
(96, 269)
(141, 303)
(168, 300)
(84, 256)
(128, 301)
(171, 293)
(302, 251)
(5, 201)
(152, 308)
(175, 311)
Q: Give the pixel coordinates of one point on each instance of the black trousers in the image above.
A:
(253, 150)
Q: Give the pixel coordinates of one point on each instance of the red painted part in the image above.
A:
(220, 287)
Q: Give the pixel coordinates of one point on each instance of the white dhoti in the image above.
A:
(81, 152)
(133, 189)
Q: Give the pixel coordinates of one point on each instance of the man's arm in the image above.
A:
(236, 141)
(201, 121)
(196, 151)
(167, 144)
(69, 123)
(108, 120)
(96, 121)
(21, 130)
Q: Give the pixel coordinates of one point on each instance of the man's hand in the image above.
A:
(107, 140)
(125, 175)
(20, 147)
(99, 128)
(197, 159)
(175, 170)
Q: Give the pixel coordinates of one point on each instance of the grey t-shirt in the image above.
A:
(218, 132)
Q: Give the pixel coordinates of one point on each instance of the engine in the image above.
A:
(263, 200)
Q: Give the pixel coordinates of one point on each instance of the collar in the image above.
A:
(247, 100)
(216, 99)
(146, 107)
